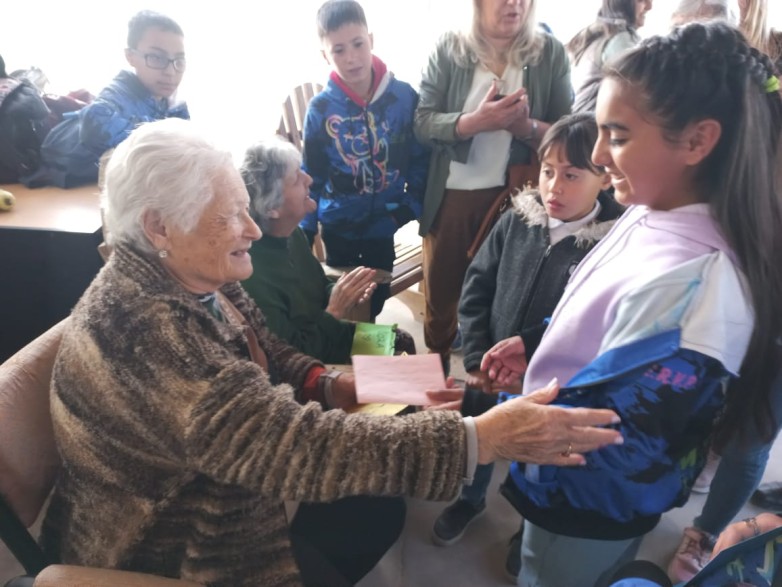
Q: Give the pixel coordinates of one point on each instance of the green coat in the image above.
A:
(292, 291)
(443, 92)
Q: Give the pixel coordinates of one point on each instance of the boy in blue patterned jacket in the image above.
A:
(72, 149)
(368, 171)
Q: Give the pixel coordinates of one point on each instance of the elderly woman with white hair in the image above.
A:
(301, 305)
(184, 424)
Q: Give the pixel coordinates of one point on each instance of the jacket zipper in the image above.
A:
(533, 289)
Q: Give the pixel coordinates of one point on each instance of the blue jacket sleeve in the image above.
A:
(667, 412)
(103, 127)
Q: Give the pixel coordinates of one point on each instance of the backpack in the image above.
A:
(24, 122)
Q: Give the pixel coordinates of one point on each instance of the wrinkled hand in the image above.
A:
(351, 289)
(525, 429)
(740, 531)
(449, 398)
(506, 361)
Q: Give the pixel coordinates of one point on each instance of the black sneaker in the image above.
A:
(513, 560)
(451, 524)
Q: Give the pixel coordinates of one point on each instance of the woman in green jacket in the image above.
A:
(487, 97)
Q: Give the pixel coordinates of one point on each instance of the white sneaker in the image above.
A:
(691, 556)
(703, 482)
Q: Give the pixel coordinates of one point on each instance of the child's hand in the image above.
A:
(478, 379)
(449, 398)
(506, 361)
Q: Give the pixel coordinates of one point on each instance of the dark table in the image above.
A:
(48, 257)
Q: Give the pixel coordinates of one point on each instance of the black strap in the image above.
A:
(19, 541)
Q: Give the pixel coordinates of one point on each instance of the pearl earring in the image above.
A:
(162, 253)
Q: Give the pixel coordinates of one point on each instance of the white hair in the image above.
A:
(264, 169)
(168, 167)
(703, 10)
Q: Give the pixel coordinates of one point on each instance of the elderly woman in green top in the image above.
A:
(301, 305)
(487, 97)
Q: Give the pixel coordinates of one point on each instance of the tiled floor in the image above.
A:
(479, 557)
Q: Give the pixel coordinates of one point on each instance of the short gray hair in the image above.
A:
(266, 165)
(167, 166)
(703, 10)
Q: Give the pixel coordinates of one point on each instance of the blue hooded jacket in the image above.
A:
(72, 149)
(368, 170)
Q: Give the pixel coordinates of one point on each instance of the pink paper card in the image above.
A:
(402, 379)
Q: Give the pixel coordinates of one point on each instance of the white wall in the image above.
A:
(242, 58)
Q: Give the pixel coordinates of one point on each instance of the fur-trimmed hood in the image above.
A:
(529, 205)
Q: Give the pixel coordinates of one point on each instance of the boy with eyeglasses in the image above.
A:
(156, 53)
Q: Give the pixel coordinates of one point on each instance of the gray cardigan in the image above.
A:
(443, 92)
(516, 279)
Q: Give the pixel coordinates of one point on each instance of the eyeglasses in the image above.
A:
(158, 61)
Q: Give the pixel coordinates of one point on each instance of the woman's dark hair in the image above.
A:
(577, 135)
(614, 17)
(709, 71)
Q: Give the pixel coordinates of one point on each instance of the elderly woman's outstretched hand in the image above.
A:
(525, 429)
(351, 289)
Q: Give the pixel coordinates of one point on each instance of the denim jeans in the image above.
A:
(739, 472)
(476, 492)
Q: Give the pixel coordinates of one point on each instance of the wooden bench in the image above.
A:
(407, 271)
(408, 266)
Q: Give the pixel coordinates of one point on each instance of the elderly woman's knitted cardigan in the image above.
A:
(178, 451)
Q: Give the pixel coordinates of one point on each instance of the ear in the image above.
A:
(325, 56)
(700, 139)
(371, 41)
(155, 229)
(273, 214)
(130, 58)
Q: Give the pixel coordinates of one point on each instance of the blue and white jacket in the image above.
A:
(72, 149)
(368, 170)
(659, 352)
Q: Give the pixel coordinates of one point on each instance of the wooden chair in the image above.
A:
(293, 111)
(29, 463)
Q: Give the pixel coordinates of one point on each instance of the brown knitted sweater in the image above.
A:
(178, 451)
